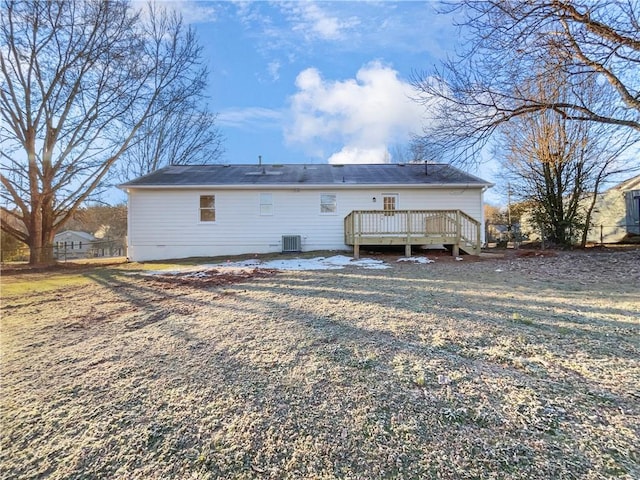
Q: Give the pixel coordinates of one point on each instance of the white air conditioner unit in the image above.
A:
(291, 243)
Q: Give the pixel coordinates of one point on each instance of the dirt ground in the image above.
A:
(526, 366)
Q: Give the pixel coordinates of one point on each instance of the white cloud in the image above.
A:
(274, 70)
(349, 154)
(361, 116)
(192, 11)
(316, 23)
(252, 117)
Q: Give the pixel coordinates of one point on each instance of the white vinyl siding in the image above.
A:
(161, 227)
(266, 204)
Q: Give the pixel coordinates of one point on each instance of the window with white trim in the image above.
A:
(207, 208)
(328, 204)
(389, 203)
(266, 204)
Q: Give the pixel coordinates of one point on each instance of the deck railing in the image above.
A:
(412, 227)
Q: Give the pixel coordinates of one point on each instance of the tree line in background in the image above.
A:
(107, 223)
(91, 90)
(106, 220)
(549, 88)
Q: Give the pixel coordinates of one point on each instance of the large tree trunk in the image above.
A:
(79, 79)
(34, 228)
(589, 213)
(40, 242)
(42, 254)
(41, 232)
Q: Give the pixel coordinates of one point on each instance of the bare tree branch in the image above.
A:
(516, 43)
(559, 166)
(79, 80)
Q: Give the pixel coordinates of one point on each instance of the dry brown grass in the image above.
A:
(449, 370)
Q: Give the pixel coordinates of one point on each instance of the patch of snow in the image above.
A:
(416, 260)
(458, 259)
(336, 262)
(370, 263)
(319, 263)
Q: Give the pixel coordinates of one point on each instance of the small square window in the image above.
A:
(207, 208)
(328, 203)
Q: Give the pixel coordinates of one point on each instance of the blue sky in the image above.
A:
(318, 81)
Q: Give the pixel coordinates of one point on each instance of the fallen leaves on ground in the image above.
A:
(522, 367)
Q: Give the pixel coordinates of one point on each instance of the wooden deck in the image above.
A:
(452, 228)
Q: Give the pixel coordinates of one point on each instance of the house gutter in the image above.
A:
(295, 186)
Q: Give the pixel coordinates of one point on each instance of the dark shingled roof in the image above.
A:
(305, 175)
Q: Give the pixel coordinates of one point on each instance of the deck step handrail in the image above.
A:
(412, 227)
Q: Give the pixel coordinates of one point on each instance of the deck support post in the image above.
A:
(356, 237)
(455, 251)
(478, 246)
(407, 247)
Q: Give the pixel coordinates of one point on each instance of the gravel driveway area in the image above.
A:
(526, 366)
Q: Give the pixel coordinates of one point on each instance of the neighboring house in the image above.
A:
(616, 214)
(211, 210)
(72, 244)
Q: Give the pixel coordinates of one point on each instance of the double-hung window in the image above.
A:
(207, 208)
(328, 204)
(389, 203)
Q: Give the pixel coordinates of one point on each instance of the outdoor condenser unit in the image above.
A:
(291, 243)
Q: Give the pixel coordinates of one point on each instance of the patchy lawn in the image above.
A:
(523, 367)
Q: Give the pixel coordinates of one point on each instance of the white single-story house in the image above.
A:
(185, 211)
(72, 244)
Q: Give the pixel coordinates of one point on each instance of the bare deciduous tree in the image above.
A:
(184, 135)
(181, 130)
(509, 44)
(79, 80)
(110, 219)
(559, 166)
